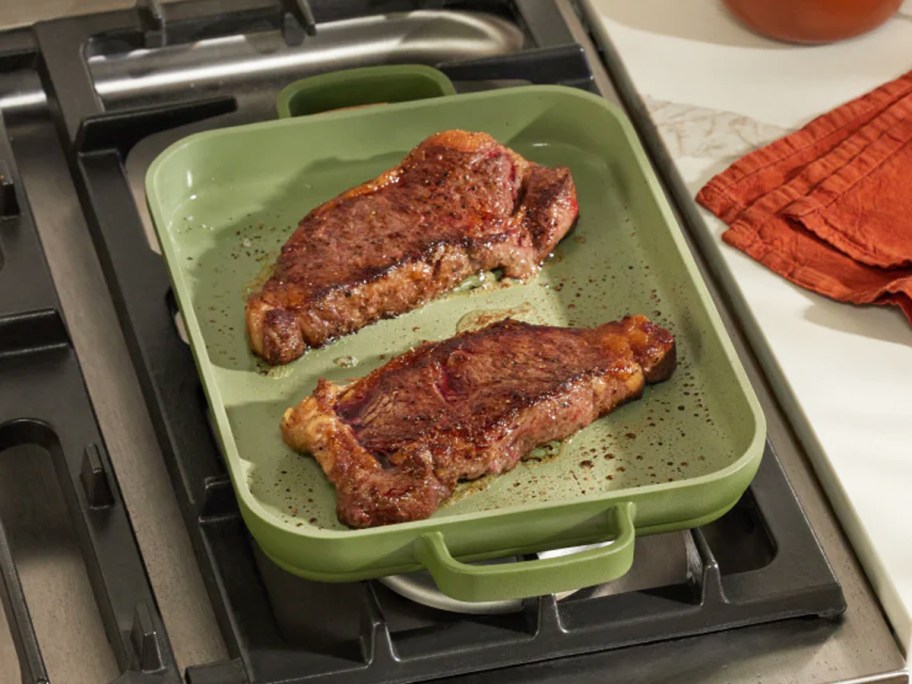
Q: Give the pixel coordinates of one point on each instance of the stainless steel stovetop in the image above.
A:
(44, 131)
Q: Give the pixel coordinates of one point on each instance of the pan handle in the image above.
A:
(532, 578)
(361, 87)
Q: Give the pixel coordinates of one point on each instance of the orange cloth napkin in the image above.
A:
(830, 206)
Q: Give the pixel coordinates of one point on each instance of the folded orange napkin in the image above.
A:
(830, 206)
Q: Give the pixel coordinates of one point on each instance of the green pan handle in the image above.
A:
(359, 87)
(531, 578)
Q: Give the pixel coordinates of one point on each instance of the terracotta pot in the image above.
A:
(813, 21)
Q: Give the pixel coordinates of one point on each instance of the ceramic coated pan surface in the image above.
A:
(223, 202)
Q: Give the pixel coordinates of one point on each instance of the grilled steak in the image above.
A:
(458, 204)
(396, 442)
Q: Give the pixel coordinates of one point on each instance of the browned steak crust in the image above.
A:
(396, 442)
(458, 204)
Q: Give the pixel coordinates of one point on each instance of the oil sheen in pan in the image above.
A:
(420, 588)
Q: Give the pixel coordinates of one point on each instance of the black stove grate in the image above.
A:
(355, 632)
(44, 401)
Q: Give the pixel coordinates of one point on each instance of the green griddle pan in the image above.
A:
(224, 201)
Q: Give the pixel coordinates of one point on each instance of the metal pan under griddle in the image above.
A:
(223, 202)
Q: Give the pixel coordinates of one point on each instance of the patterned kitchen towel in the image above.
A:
(830, 206)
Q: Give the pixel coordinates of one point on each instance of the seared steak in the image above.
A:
(396, 442)
(458, 204)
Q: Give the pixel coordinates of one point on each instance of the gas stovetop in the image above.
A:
(115, 89)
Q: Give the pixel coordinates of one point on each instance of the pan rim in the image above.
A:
(254, 506)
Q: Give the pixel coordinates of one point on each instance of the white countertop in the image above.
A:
(716, 91)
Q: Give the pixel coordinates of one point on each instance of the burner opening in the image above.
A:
(740, 540)
(659, 561)
(327, 618)
(180, 327)
(417, 630)
(54, 577)
(661, 577)
(318, 617)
